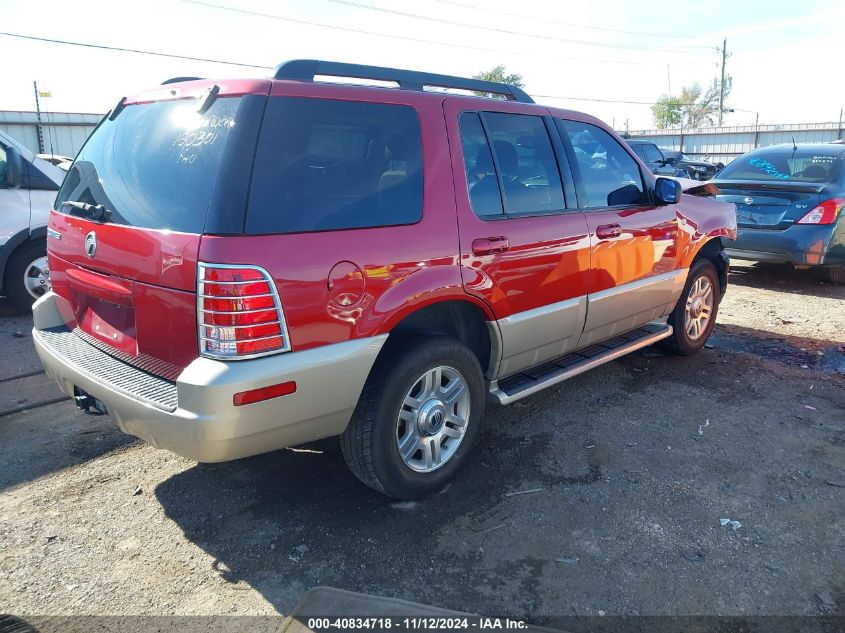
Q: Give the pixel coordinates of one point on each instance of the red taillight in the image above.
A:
(825, 213)
(239, 313)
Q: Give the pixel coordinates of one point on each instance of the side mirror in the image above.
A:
(671, 160)
(14, 168)
(667, 191)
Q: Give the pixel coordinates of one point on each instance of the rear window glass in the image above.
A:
(326, 164)
(799, 166)
(154, 166)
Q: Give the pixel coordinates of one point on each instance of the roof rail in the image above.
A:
(176, 80)
(307, 69)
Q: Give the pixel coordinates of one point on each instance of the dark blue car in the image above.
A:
(788, 204)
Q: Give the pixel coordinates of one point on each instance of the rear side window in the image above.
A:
(483, 185)
(609, 176)
(155, 165)
(521, 169)
(325, 165)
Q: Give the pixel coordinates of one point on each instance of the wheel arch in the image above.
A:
(714, 251)
(460, 317)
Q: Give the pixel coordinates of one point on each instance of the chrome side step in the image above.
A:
(551, 372)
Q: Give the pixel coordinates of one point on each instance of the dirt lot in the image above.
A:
(625, 471)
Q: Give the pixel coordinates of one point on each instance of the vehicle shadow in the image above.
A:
(796, 351)
(782, 278)
(287, 521)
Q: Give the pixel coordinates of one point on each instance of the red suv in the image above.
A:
(240, 266)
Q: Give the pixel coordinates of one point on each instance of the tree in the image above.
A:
(692, 109)
(499, 75)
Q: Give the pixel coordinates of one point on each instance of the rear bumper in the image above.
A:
(801, 245)
(195, 416)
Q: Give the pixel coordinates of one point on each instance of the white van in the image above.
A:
(28, 188)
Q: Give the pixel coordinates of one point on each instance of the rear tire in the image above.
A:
(834, 274)
(695, 313)
(434, 418)
(27, 275)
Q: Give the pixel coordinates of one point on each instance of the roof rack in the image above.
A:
(307, 69)
(176, 80)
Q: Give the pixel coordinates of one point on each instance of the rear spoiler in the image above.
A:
(781, 185)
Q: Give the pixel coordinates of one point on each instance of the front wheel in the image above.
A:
(417, 418)
(695, 313)
(27, 275)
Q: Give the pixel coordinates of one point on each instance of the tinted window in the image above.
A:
(483, 185)
(652, 154)
(609, 176)
(638, 150)
(155, 165)
(780, 165)
(527, 168)
(325, 164)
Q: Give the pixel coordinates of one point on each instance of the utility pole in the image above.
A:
(38, 115)
(722, 82)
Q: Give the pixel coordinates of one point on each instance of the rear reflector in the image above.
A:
(825, 213)
(264, 393)
(239, 313)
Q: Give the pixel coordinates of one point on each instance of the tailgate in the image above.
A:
(135, 298)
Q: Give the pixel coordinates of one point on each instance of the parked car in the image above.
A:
(788, 201)
(28, 187)
(653, 157)
(281, 261)
(689, 167)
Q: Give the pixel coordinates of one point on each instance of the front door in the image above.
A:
(633, 243)
(524, 244)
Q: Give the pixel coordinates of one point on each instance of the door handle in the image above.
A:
(490, 245)
(606, 231)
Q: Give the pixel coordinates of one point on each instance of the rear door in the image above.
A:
(166, 173)
(523, 241)
(633, 243)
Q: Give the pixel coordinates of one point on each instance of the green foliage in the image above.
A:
(499, 75)
(693, 108)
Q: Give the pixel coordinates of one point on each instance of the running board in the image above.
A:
(551, 372)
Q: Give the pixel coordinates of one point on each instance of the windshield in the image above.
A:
(154, 166)
(780, 165)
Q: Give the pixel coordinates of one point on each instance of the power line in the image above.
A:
(648, 103)
(549, 21)
(492, 29)
(404, 38)
(230, 63)
(130, 50)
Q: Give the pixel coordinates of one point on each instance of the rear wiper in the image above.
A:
(98, 212)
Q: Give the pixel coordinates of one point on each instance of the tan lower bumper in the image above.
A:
(205, 425)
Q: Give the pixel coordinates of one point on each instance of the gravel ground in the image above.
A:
(603, 494)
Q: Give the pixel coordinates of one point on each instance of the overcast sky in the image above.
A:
(785, 57)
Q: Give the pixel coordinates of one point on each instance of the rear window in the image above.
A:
(326, 164)
(798, 166)
(154, 166)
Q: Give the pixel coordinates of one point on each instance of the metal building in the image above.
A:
(726, 143)
(61, 132)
